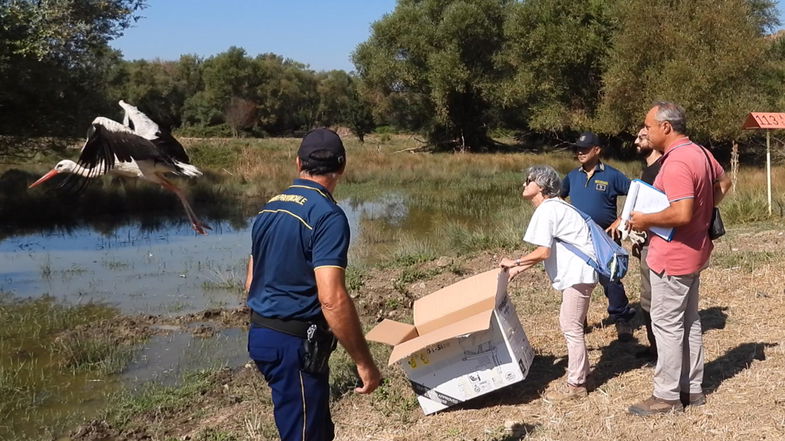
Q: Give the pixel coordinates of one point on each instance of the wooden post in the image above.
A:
(768, 167)
(734, 165)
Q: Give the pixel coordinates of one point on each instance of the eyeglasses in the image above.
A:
(527, 181)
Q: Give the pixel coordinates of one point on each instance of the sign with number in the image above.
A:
(764, 120)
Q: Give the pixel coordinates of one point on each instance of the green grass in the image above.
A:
(156, 398)
(745, 260)
(45, 365)
(343, 374)
(80, 351)
(355, 278)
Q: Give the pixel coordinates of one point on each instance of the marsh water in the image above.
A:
(135, 266)
(164, 270)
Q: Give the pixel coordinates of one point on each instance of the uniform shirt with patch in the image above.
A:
(296, 232)
(596, 196)
(555, 218)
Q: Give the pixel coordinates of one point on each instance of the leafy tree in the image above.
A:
(706, 55)
(286, 93)
(334, 89)
(240, 114)
(159, 88)
(429, 66)
(62, 39)
(226, 75)
(554, 56)
(359, 115)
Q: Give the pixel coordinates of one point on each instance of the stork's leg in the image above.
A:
(197, 225)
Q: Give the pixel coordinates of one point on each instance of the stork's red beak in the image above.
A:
(44, 178)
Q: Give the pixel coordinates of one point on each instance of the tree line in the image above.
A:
(454, 71)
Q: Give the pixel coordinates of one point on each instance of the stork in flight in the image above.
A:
(135, 149)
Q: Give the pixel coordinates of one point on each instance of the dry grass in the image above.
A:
(741, 309)
(745, 357)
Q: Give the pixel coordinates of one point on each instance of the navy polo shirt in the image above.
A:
(596, 196)
(296, 232)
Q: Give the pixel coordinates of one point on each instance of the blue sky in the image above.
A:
(320, 33)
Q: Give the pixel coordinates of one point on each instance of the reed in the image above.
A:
(155, 397)
(45, 362)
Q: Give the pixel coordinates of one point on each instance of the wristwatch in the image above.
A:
(517, 262)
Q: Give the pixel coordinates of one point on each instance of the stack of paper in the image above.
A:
(644, 198)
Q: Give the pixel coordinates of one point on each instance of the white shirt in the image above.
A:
(555, 218)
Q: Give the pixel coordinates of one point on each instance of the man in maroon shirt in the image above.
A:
(694, 183)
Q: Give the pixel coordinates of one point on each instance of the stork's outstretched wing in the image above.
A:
(145, 127)
(171, 147)
(108, 143)
(137, 121)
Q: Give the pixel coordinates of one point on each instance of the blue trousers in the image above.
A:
(618, 304)
(301, 401)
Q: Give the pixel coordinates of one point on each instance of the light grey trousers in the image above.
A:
(677, 328)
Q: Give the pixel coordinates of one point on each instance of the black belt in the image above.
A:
(294, 327)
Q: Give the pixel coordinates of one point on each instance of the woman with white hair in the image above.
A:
(555, 221)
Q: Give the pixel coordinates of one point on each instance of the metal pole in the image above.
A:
(768, 167)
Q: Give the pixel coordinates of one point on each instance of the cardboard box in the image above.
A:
(466, 341)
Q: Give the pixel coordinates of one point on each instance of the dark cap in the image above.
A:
(324, 146)
(587, 139)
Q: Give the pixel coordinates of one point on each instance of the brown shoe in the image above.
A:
(690, 399)
(654, 405)
(566, 392)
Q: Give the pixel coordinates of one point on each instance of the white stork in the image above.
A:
(135, 149)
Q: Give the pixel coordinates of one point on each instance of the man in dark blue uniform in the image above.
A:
(297, 293)
(593, 188)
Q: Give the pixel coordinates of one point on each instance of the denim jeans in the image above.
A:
(618, 304)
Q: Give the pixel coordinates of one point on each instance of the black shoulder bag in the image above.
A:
(716, 226)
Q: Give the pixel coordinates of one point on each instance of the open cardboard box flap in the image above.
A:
(462, 308)
(391, 332)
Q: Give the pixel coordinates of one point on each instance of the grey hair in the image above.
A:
(673, 113)
(546, 178)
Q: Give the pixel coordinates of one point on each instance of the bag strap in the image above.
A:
(704, 151)
(711, 171)
(593, 263)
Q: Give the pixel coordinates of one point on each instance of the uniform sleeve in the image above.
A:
(331, 241)
(542, 227)
(565, 186)
(622, 183)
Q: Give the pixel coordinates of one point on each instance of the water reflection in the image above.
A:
(390, 208)
(163, 272)
(164, 359)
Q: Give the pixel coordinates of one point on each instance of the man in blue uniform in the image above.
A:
(593, 188)
(297, 293)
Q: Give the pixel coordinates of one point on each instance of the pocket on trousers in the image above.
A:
(259, 349)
